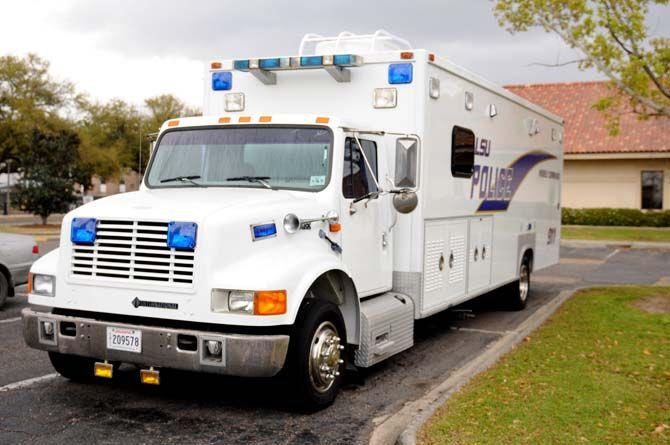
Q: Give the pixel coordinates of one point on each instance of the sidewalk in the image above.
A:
(614, 243)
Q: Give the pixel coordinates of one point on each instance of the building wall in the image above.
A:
(111, 187)
(610, 182)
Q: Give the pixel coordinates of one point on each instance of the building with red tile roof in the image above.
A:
(631, 169)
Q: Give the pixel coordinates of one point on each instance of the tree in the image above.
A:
(613, 37)
(110, 136)
(50, 170)
(29, 99)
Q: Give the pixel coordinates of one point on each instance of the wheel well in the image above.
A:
(530, 255)
(5, 272)
(336, 287)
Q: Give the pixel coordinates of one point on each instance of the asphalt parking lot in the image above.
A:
(188, 408)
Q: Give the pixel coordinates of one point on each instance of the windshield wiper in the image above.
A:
(258, 179)
(184, 179)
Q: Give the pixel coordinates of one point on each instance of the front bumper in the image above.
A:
(243, 355)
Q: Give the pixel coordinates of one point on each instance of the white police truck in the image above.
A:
(323, 203)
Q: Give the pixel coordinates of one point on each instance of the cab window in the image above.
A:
(356, 181)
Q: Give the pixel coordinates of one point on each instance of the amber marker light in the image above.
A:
(406, 55)
(150, 377)
(322, 120)
(431, 57)
(270, 302)
(173, 123)
(216, 65)
(224, 120)
(245, 119)
(265, 119)
(104, 370)
(335, 227)
(30, 283)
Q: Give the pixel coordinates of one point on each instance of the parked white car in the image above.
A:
(17, 254)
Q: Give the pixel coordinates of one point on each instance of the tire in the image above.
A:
(520, 289)
(319, 342)
(4, 290)
(72, 367)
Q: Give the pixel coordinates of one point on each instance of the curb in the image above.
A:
(614, 244)
(401, 428)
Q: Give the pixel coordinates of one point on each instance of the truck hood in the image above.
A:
(191, 204)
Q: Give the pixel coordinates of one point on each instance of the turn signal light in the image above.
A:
(30, 283)
(150, 377)
(272, 302)
(335, 227)
(104, 370)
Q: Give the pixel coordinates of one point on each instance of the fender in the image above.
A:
(46, 265)
(285, 267)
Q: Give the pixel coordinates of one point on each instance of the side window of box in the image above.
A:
(356, 180)
(462, 152)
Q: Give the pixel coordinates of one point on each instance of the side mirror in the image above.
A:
(406, 162)
(405, 201)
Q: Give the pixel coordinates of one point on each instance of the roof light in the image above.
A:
(311, 61)
(265, 119)
(260, 231)
(173, 123)
(83, 230)
(431, 57)
(224, 120)
(222, 80)
(245, 119)
(268, 64)
(254, 64)
(241, 65)
(234, 102)
(322, 120)
(216, 65)
(406, 55)
(182, 235)
(400, 73)
(328, 60)
(344, 59)
(385, 98)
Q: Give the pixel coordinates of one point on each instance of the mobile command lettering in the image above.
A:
(323, 203)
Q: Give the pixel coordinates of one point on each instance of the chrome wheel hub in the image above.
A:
(524, 282)
(324, 356)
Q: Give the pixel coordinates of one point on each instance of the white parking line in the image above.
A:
(611, 254)
(10, 320)
(28, 382)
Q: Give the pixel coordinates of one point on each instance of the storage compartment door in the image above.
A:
(480, 253)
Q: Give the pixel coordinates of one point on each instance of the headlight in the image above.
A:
(44, 285)
(249, 302)
(241, 301)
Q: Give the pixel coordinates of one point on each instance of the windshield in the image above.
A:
(272, 157)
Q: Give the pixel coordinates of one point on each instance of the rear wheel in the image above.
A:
(72, 367)
(317, 354)
(518, 295)
(4, 289)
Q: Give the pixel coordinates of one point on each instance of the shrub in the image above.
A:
(615, 217)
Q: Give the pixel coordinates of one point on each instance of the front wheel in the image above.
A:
(72, 367)
(317, 354)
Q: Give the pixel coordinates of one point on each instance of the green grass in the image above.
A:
(31, 229)
(616, 233)
(597, 372)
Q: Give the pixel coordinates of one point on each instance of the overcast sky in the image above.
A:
(136, 49)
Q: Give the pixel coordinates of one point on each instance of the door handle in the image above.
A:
(476, 253)
(451, 260)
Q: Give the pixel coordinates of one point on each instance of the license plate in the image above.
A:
(123, 339)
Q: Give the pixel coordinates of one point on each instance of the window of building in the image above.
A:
(356, 181)
(652, 190)
(103, 188)
(122, 186)
(462, 152)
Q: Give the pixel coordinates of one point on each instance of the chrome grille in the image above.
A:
(135, 251)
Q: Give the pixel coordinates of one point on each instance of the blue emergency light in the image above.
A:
(182, 235)
(222, 80)
(83, 231)
(264, 230)
(268, 64)
(400, 73)
(311, 61)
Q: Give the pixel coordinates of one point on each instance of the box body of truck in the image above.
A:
(374, 184)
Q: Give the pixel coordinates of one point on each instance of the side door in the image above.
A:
(366, 241)
(479, 262)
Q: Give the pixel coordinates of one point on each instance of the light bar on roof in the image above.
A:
(335, 64)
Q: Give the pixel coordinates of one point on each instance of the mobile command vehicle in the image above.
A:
(323, 203)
